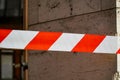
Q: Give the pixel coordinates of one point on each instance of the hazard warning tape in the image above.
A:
(57, 41)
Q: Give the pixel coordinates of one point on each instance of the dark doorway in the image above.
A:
(11, 14)
(11, 17)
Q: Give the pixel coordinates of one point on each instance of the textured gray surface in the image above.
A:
(70, 66)
(107, 4)
(33, 11)
(47, 10)
(103, 22)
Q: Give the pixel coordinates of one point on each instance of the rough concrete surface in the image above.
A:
(103, 22)
(47, 10)
(72, 16)
(107, 4)
(85, 6)
(33, 11)
(70, 66)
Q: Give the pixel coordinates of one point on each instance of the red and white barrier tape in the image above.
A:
(57, 41)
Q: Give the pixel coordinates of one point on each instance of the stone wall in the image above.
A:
(73, 16)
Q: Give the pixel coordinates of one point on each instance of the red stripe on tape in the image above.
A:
(3, 34)
(118, 52)
(43, 40)
(88, 43)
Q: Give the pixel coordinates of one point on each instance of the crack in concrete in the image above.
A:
(89, 4)
(88, 71)
(71, 7)
(53, 4)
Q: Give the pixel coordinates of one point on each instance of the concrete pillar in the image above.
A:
(117, 74)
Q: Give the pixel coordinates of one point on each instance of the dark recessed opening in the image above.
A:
(11, 17)
(11, 14)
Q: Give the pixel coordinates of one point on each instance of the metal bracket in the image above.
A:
(17, 65)
(25, 65)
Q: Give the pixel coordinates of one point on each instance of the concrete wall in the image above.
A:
(74, 16)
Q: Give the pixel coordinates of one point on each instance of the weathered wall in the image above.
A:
(76, 16)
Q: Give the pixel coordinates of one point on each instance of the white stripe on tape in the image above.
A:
(108, 45)
(66, 42)
(18, 39)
